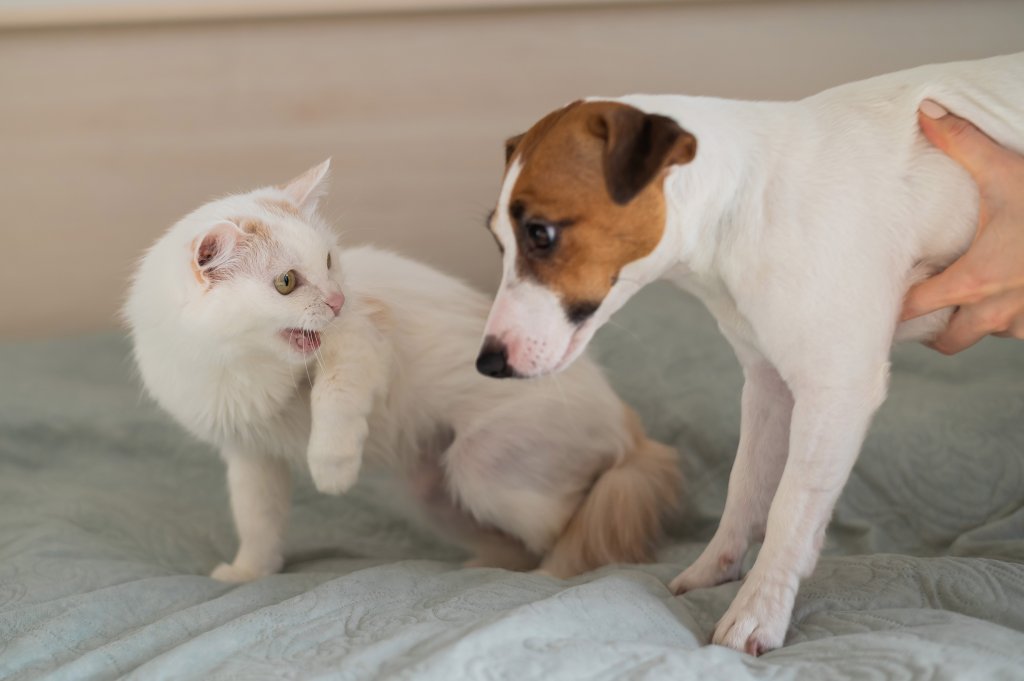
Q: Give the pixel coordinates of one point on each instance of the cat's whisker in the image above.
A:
(309, 379)
(318, 353)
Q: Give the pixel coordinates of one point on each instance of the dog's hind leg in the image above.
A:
(766, 408)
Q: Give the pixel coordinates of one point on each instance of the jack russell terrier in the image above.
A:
(800, 225)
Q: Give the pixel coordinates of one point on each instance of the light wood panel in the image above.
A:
(107, 135)
(35, 13)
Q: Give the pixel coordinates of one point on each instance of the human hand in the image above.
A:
(986, 282)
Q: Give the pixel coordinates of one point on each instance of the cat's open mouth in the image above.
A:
(302, 340)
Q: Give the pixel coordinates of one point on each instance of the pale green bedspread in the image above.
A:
(110, 516)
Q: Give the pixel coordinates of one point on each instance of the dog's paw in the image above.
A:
(234, 573)
(334, 475)
(758, 617)
(712, 568)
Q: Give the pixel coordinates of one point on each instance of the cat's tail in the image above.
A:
(620, 519)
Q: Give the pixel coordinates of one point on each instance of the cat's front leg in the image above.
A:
(260, 491)
(335, 452)
(342, 398)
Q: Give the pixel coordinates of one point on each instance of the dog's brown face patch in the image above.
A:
(588, 199)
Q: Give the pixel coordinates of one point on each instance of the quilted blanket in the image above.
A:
(111, 516)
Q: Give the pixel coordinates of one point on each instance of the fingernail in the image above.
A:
(932, 109)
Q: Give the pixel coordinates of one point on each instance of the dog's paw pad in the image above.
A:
(704, 574)
(755, 646)
(739, 636)
(757, 620)
(686, 581)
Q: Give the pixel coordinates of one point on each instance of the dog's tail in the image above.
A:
(620, 519)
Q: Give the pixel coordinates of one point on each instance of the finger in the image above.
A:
(946, 289)
(1015, 329)
(966, 327)
(959, 139)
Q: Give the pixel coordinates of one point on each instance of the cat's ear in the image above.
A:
(215, 251)
(306, 189)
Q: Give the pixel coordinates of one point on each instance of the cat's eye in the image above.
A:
(328, 261)
(285, 283)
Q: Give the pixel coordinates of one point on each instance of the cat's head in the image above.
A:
(255, 271)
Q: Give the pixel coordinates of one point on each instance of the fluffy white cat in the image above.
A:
(240, 333)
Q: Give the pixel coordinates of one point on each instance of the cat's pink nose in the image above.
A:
(335, 301)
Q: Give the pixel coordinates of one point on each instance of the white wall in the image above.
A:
(108, 134)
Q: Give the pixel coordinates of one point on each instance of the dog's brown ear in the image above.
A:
(637, 147)
(510, 146)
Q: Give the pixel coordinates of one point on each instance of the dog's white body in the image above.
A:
(800, 225)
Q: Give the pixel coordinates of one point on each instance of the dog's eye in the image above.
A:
(328, 261)
(542, 235)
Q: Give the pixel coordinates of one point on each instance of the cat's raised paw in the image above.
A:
(334, 475)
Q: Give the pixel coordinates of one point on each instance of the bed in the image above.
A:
(111, 516)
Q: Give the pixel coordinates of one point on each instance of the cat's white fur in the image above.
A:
(555, 472)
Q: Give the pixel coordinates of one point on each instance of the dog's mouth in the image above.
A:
(577, 344)
(303, 341)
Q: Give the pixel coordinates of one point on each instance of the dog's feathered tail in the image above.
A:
(620, 519)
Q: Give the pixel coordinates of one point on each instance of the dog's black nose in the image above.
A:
(493, 359)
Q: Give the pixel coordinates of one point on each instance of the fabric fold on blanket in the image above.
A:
(111, 517)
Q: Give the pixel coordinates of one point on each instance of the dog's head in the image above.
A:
(580, 215)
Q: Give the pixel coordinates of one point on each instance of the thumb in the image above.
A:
(959, 139)
(945, 289)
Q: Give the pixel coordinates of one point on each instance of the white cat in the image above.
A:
(237, 311)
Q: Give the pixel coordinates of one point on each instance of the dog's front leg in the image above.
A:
(766, 407)
(260, 491)
(828, 426)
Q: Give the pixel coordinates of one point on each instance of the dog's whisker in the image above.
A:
(557, 381)
(628, 331)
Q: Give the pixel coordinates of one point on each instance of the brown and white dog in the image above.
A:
(800, 225)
